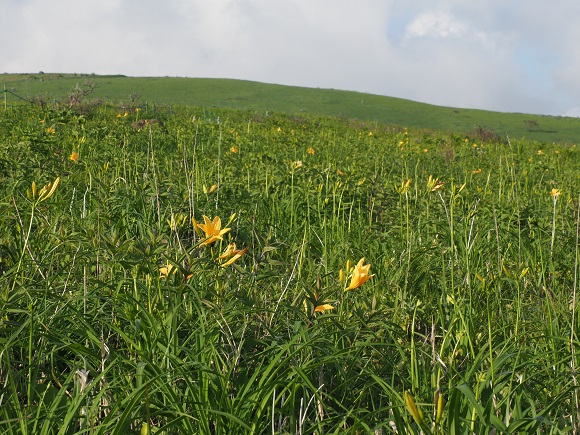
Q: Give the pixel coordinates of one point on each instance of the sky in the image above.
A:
(503, 55)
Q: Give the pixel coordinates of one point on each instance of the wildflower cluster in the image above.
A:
(35, 194)
(212, 232)
(358, 274)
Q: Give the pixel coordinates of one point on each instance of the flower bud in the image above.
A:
(440, 405)
(412, 407)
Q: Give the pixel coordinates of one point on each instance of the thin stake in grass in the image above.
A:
(575, 416)
(217, 195)
(554, 193)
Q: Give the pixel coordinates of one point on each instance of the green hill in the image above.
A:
(241, 94)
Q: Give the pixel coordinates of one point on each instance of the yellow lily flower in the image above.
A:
(230, 250)
(360, 275)
(555, 193)
(322, 308)
(232, 253)
(212, 230)
(320, 305)
(74, 157)
(165, 271)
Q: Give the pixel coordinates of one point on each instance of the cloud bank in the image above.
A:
(508, 56)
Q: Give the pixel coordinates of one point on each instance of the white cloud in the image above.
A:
(435, 24)
(444, 25)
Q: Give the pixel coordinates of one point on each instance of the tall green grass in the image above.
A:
(469, 324)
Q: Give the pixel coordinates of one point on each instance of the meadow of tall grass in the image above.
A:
(220, 272)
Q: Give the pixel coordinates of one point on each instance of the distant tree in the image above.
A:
(42, 100)
(134, 98)
(484, 134)
(531, 124)
(79, 93)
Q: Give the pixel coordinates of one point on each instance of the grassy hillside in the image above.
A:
(240, 94)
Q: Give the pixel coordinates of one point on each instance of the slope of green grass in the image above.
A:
(262, 97)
